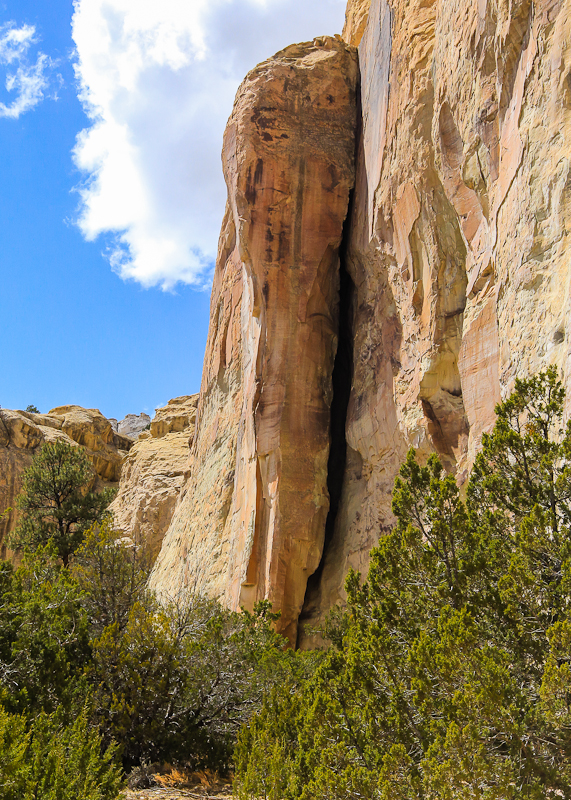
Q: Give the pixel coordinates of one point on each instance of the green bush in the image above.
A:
(449, 672)
(44, 636)
(112, 574)
(14, 764)
(48, 760)
(166, 682)
(177, 682)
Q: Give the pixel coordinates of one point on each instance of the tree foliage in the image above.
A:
(449, 674)
(55, 500)
(112, 574)
(44, 636)
(179, 680)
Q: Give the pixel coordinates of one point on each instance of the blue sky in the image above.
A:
(106, 245)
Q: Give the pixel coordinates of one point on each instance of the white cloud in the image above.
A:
(27, 81)
(158, 79)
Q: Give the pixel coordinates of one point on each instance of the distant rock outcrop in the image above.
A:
(23, 433)
(133, 424)
(154, 473)
(178, 415)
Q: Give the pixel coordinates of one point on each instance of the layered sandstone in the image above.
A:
(251, 522)
(154, 472)
(178, 415)
(23, 433)
(459, 240)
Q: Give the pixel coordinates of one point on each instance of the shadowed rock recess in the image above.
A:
(452, 131)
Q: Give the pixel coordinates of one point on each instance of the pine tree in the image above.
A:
(56, 503)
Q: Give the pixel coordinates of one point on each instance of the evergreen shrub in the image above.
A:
(449, 672)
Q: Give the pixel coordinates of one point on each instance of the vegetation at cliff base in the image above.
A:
(89, 645)
(448, 674)
(96, 676)
(47, 759)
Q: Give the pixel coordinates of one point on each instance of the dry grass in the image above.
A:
(174, 778)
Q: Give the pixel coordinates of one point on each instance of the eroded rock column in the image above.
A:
(252, 520)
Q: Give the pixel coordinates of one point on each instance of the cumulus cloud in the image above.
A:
(26, 81)
(158, 80)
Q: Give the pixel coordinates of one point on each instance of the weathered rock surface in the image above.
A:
(251, 522)
(154, 473)
(23, 433)
(356, 17)
(459, 240)
(178, 415)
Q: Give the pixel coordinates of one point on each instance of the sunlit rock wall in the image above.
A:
(154, 473)
(455, 278)
(22, 434)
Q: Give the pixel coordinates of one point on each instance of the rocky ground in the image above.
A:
(179, 794)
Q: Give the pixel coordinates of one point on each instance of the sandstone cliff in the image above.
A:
(251, 524)
(356, 18)
(454, 279)
(459, 240)
(154, 473)
(22, 434)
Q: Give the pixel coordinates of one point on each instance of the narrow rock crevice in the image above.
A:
(342, 378)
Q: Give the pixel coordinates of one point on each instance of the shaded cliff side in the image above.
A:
(458, 241)
(453, 267)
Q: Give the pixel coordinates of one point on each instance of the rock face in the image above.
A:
(455, 279)
(131, 425)
(251, 522)
(22, 434)
(178, 415)
(154, 473)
